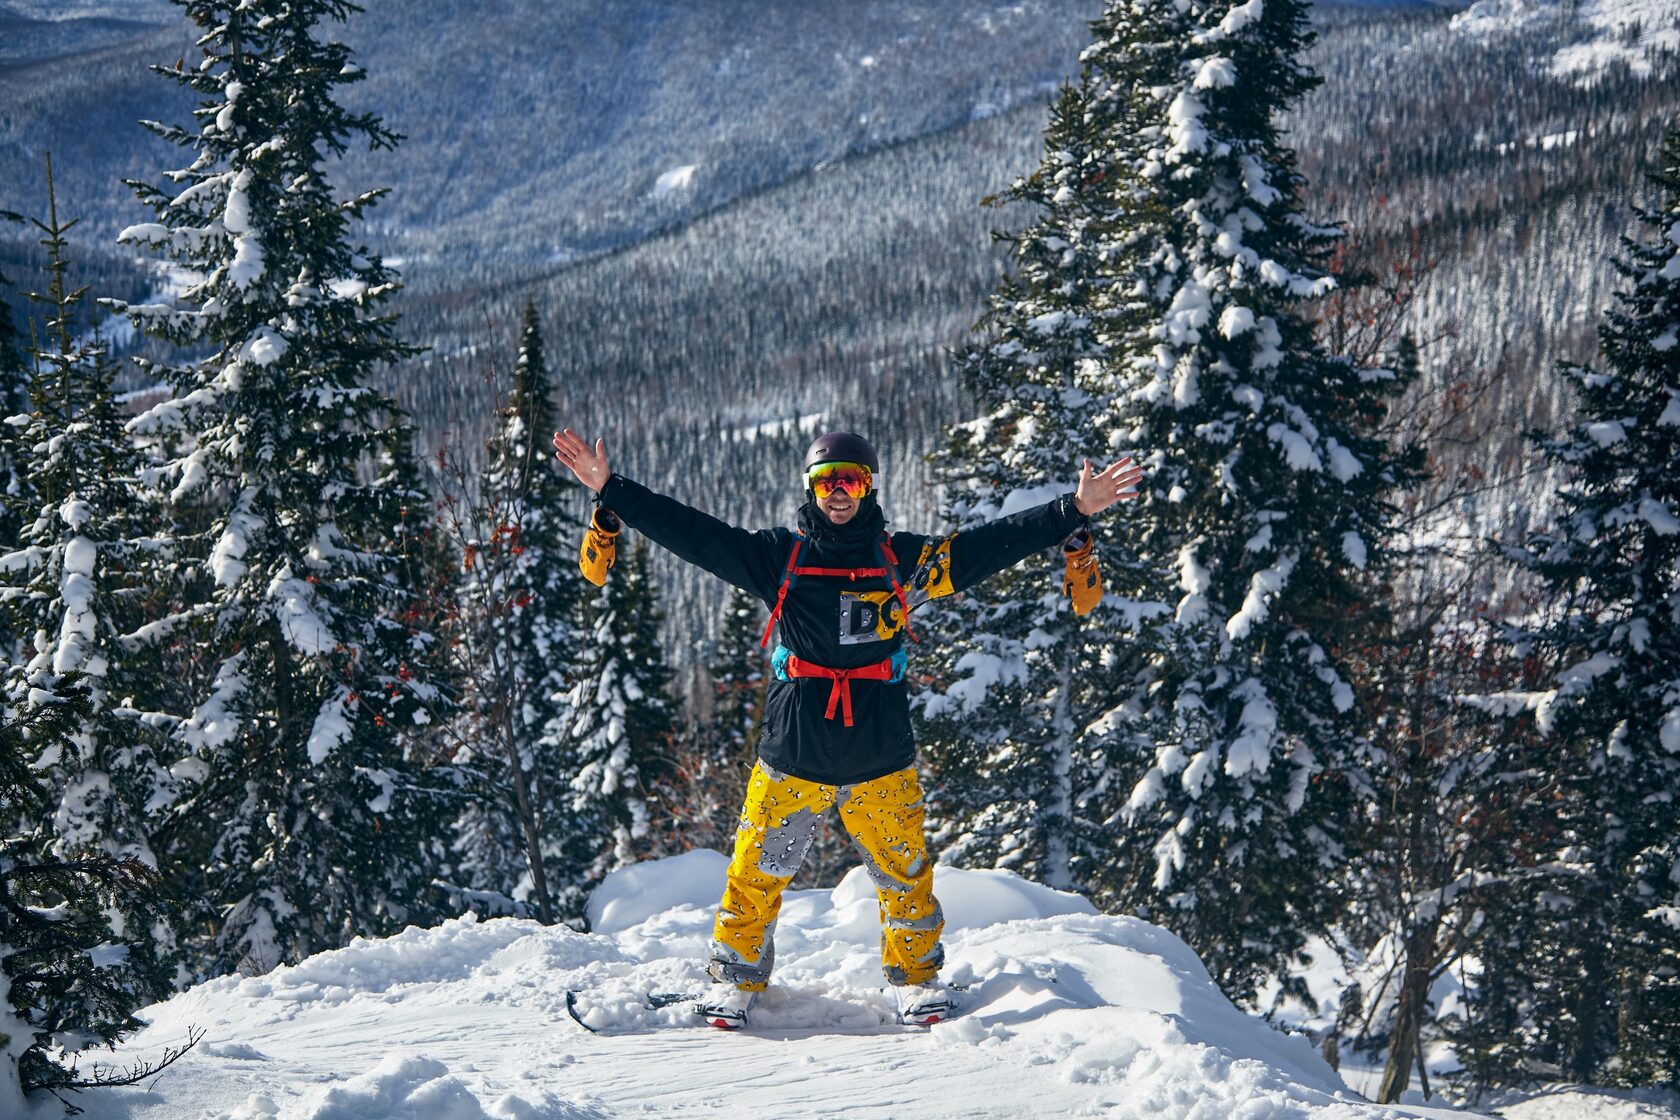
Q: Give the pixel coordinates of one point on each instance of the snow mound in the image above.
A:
(1066, 1012)
(1588, 1102)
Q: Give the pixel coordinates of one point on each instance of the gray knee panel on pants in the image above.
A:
(787, 843)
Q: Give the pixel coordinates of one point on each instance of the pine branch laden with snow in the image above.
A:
(72, 972)
(1612, 647)
(1265, 488)
(695, 800)
(321, 820)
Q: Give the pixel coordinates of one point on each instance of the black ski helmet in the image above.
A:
(842, 447)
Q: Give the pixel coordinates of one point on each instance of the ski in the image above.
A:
(658, 1001)
(653, 1001)
(572, 1010)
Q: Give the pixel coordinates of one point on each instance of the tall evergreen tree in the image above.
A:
(82, 943)
(77, 590)
(1022, 680)
(740, 679)
(1265, 496)
(620, 735)
(316, 822)
(1608, 1003)
(63, 985)
(521, 595)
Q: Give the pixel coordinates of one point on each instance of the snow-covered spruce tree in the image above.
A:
(76, 589)
(517, 643)
(1265, 492)
(63, 987)
(620, 732)
(1612, 570)
(313, 821)
(1019, 778)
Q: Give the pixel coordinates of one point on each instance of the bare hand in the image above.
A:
(589, 466)
(1097, 491)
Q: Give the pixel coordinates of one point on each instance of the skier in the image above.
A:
(836, 728)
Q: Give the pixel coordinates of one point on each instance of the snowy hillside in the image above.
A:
(1596, 33)
(1072, 1013)
(539, 130)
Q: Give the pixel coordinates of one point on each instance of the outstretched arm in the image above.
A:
(987, 549)
(750, 561)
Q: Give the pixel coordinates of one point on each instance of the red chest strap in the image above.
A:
(889, 571)
(849, 573)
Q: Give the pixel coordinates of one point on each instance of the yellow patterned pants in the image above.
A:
(778, 822)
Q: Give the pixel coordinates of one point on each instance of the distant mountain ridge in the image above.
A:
(1598, 33)
(540, 131)
(544, 130)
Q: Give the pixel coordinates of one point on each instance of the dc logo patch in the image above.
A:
(868, 616)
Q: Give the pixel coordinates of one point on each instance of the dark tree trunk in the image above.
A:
(1404, 1042)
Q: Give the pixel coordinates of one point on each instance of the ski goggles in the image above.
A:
(851, 479)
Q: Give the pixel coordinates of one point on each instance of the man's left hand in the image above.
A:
(1100, 489)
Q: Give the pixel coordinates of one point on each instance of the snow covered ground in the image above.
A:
(1071, 1013)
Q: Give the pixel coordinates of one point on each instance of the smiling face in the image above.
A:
(839, 487)
(839, 507)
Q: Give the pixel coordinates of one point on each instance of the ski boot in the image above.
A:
(923, 1005)
(725, 1006)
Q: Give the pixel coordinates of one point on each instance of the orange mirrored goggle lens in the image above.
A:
(852, 479)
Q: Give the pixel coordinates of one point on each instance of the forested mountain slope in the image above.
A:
(541, 130)
(817, 178)
(1462, 145)
(837, 294)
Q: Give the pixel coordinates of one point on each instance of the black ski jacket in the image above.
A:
(829, 620)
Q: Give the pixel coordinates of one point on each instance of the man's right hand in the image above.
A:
(590, 466)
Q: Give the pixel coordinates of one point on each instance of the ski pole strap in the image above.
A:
(789, 666)
(788, 577)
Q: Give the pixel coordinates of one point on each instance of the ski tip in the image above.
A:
(577, 1016)
(724, 1024)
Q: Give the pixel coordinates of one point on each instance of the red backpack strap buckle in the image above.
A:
(840, 688)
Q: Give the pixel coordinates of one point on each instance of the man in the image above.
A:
(836, 728)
